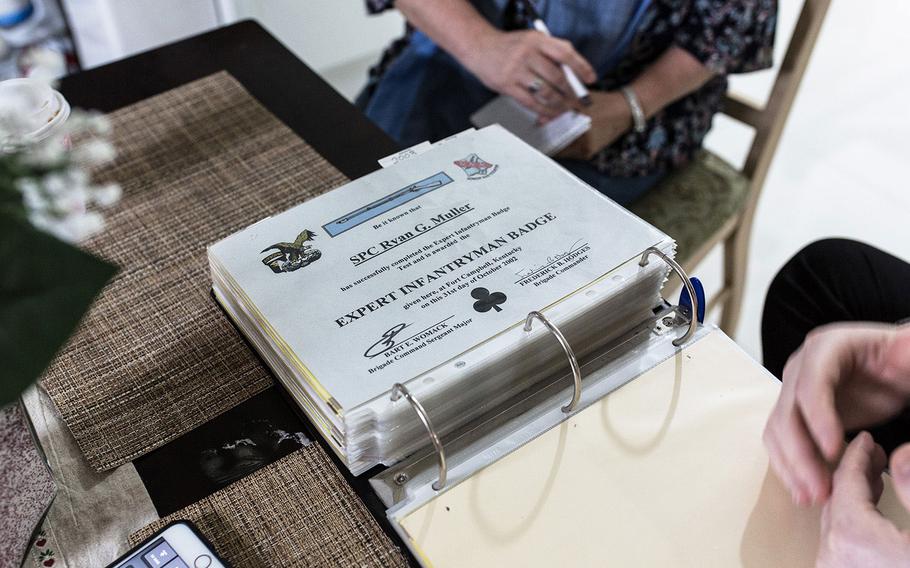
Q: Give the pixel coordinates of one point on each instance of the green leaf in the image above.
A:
(46, 286)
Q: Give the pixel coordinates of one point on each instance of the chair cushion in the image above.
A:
(694, 202)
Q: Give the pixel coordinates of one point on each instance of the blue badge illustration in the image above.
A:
(292, 256)
(476, 167)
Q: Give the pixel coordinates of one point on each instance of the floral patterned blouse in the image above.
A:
(727, 36)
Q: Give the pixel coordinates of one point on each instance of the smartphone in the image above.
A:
(178, 545)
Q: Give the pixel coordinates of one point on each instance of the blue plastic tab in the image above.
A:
(16, 17)
(686, 302)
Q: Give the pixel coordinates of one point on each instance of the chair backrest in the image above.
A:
(769, 121)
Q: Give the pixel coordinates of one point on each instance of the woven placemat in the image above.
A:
(298, 511)
(156, 357)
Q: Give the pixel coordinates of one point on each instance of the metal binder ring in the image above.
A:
(573, 361)
(398, 390)
(693, 320)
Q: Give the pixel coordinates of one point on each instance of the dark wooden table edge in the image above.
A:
(266, 68)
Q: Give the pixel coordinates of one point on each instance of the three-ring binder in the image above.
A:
(693, 320)
(573, 361)
(399, 390)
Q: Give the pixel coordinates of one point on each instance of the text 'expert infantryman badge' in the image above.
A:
(476, 168)
(292, 256)
(487, 301)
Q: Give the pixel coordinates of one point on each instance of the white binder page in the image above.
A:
(669, 470)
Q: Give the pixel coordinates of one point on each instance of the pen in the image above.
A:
(581, 92)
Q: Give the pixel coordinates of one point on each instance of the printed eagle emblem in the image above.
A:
(292, 256)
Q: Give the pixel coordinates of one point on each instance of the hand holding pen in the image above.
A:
(577, 87)
(531, 66)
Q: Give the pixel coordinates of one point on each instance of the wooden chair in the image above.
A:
(710, 202)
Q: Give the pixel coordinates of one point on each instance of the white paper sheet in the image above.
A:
(549, 138)
(397, 272)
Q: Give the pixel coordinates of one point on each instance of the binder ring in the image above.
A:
(398, 390)
(693, 320)
(573, 361)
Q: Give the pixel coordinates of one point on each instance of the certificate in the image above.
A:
(385, 278)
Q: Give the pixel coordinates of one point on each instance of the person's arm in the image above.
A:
(522, 64)
(715, 38)
(674, 75)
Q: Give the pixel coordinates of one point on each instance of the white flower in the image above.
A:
(107, 194)
(74, 200)
(61, 202)
(44, 64)
(48, 153)
(56, 184)
(84, 226)
(87, 122)
(77, 176)
(41, 220)
(94, 152)
(77, 122)
(32, 194)
(98, 123)
(73, 228)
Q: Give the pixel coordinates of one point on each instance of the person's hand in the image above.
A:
(525, 65)
(843, 377)
(610, 118)
(853, 533)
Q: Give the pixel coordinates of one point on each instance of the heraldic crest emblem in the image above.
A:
(292, 256)
(475, 167)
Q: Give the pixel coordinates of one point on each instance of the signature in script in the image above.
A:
(386, 342)
(532, 270)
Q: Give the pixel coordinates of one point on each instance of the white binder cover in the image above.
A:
(669, 470)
